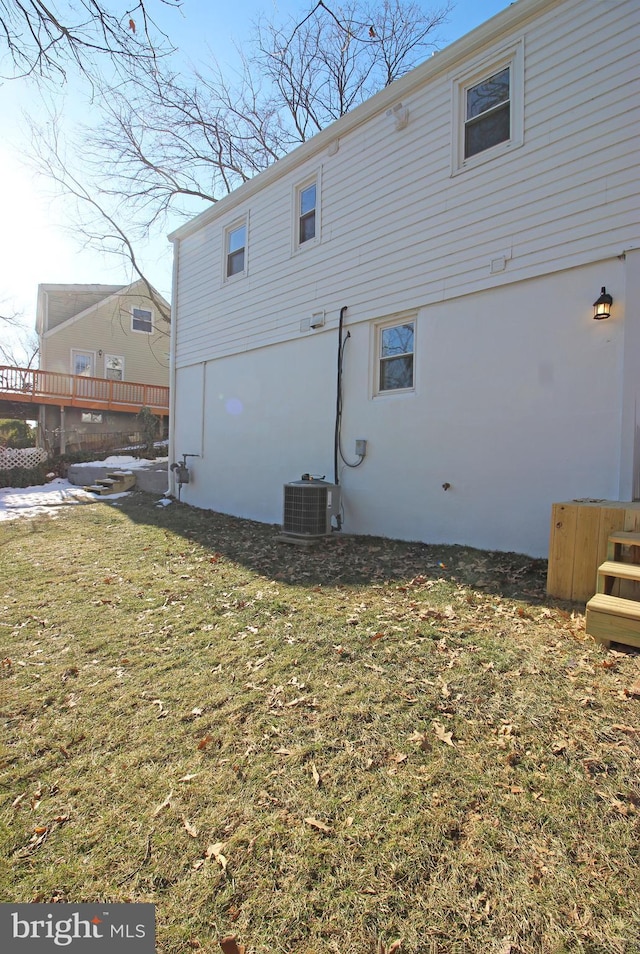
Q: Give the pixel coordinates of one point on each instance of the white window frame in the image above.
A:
(299, 188)
(92, 358)
(118, 357)
(378, 329)
(134, 318)
(513, 58)
(228, 232)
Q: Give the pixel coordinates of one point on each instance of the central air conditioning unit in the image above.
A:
(309, 506)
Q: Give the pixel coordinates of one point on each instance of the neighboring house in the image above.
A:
(461, 223)
(115, 333)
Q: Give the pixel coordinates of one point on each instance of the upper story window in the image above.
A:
(488, 113)
(236, 249)
(141, 320)
(395, 352)
(307, 213)
(488, 109)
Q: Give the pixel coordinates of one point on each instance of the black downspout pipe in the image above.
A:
(336, 439)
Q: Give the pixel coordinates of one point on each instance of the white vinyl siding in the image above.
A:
(400, 232)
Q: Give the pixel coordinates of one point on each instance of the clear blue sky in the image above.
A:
(37, 242)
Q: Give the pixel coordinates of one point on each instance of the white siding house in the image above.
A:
(464, 263)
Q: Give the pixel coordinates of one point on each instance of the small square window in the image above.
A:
(142, 320)
(236, 244)
(395, 356)
(88, 417)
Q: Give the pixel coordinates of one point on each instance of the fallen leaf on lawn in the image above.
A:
(422, 739)
(399, 757)
(202, 744)
(634, 690)
(627, 729)
(189, 828)
(376, 637)
(16, 801)
(187, 778)
(318, 825)
(283, 751)
(230, 946)
(442, 734)
(215, 852)
(316, 774)
(163, 805)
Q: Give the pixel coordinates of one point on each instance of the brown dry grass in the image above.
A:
(316, 752)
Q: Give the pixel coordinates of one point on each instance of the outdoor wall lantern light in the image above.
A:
(602, 306)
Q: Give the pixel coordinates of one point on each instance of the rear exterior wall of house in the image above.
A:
(517, 397)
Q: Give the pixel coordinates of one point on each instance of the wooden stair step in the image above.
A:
(630, 538)
(622, 571)
(95, 489)
(613, 619)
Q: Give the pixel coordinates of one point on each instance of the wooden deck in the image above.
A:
(32, 386)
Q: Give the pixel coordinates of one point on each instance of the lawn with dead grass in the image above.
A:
(328, 751)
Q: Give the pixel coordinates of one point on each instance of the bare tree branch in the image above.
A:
(169, 142)
(40, 41)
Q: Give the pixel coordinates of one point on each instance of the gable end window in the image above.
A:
(141, 320)
(236, 245)
(488, 113)
(395, 357)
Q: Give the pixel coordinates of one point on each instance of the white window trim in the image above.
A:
(377, 329)
(138, 331)
(513, 57)
(298, 188)
(236, 224)
(120, 357)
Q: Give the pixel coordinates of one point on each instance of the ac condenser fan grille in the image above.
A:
(308, 506)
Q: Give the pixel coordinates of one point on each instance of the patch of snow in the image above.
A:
(123, 463)
(32, 501)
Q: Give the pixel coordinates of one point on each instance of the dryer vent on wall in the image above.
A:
(309, 506)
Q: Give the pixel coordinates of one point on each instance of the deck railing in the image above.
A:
(51, 387)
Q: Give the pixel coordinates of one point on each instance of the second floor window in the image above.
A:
(114, 367)
(488, 113)
(141, 320)
(236, 248)
(307, 213)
